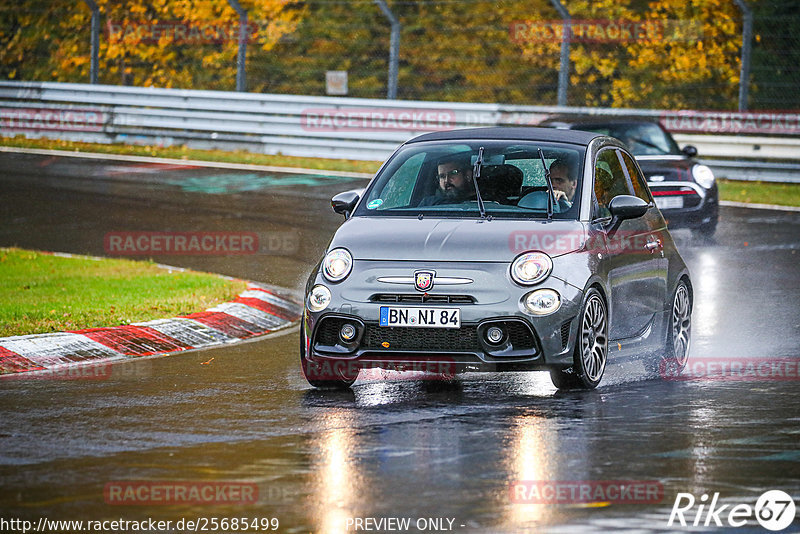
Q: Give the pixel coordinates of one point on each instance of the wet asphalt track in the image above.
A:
(391, 447)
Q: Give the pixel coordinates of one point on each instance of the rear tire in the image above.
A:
(591, 347)
(679, 335)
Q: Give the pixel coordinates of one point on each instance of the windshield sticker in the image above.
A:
(374, 204)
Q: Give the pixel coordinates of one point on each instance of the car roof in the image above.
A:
(511, 133)
(597, 121)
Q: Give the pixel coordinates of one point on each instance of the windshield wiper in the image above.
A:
(551, 195)
(476, 173)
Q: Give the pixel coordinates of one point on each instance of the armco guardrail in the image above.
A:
(352, 128)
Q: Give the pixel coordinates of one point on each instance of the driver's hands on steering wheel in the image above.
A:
(561, 196)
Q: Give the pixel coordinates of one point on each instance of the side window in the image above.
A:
(609, 180)
(638, 182)
(397, 192)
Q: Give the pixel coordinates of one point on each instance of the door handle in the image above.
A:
(652, 245)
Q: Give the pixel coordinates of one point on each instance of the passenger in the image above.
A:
(564, 182)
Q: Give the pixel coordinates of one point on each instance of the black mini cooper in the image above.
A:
(684, 189)
(499, 249)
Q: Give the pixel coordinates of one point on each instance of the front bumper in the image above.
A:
(530, 342)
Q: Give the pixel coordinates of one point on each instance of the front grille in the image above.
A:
(519, 339)
(464, 339)
(422, 339)
(419, 298)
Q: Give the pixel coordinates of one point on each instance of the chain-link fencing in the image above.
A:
(660, 54)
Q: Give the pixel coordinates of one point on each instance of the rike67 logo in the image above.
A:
(774, 510)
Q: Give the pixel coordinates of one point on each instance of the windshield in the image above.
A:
(644, 139)
(438, 179)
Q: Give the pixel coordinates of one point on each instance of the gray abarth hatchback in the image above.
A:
(499, 249)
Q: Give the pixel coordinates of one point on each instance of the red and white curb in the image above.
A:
(257, 311)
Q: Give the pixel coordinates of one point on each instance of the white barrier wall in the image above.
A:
(353, 128)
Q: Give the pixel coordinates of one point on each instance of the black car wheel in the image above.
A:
(708, 229)
(591, 347)
(329, 375)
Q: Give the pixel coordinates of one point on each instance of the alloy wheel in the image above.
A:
(594, 338)
(681, 325)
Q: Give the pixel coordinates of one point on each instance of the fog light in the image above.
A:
(542, 301)
(319, 298)
(348, 332)
(495, 335)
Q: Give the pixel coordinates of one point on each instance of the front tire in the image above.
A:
(591, 347)
(707, 230)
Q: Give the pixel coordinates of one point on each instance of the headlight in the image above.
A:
(531, 268)
(703, 175)
(337, 264)
(319, 298)
(542, 301)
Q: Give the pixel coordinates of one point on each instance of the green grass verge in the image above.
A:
(740, 191)
(44, 293)
(760, 192)
(181, 152)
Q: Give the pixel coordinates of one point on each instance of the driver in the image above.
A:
(454, 181)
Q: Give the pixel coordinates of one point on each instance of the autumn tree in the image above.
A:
(623, 53)
(775, 71)
(467, 51)
(660, 53)
(342, 36)
(664, 54)
(165, 43)
(695, 63)
(451, 51)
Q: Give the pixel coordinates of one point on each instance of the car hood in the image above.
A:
(430, 239)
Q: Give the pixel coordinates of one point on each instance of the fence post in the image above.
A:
(563, 69)
(747, 37)
(95, 42)
(394, 49)
(241, 58)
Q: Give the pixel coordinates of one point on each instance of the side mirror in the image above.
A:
(345, 203)
(690, 150)
(624, 207)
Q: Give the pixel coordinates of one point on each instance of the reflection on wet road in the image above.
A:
(391, 447)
